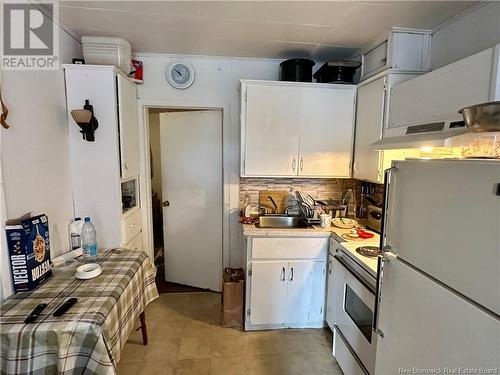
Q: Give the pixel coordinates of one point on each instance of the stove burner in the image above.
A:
(368, 251)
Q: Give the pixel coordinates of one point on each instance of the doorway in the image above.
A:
(187, 197)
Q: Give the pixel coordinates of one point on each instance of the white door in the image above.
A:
(330, 297)
(191, 167)
(129, 128)
(271, 134)
(369, 123)
(268, 293)
(426, 326)
(326, 121)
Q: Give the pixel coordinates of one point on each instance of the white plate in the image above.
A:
(88, 271)
(347, 224)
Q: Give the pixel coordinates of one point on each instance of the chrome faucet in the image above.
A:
(269, 198)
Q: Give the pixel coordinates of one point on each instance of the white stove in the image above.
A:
(349, 247)
(352, 301)
(368, 263)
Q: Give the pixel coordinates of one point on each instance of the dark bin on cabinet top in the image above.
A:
(337, 71)
(296, 70)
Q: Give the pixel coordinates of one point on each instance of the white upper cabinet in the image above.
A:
(401, 49)
(326, 117)
(271, 130)
(129, 129)
(372, 107)
(369, 120)
(296, 129)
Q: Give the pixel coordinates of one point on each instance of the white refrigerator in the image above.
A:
(438, 293)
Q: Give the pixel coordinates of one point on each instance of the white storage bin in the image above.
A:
(103, 50)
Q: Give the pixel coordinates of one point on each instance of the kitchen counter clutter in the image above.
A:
(314, 231)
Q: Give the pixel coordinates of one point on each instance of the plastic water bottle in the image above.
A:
(89, 241)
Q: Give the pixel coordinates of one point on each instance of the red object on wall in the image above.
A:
(136, 71)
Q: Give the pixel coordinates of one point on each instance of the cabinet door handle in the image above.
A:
(293, 165)
(301, 164)
(291, 275)
(283, 274)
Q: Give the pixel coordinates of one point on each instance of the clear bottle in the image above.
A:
(89, 241)
(75, 232)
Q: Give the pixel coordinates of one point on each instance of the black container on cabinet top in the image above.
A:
(337, 71)
(296, 70)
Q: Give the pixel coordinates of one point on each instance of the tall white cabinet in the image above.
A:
(105, 173)
(291, 129)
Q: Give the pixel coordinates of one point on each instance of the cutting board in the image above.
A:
(280, 197)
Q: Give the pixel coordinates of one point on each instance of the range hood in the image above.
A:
(436, 138)
(424, 111)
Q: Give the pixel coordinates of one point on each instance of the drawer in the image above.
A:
(375, 59)
(131, 226)
(345, 356)
(135, 243)
(289, 248)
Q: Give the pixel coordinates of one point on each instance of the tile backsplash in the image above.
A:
(322, 189)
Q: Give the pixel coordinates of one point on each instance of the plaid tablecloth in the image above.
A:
(88, 338)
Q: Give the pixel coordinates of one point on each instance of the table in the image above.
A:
(88, 338)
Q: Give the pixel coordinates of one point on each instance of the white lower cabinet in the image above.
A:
(286, 293)
(268, 297)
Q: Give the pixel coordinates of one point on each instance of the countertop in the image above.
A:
(316, 231)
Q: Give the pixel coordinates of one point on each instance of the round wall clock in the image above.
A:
(180, 75)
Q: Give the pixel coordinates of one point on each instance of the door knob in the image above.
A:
(166, 204)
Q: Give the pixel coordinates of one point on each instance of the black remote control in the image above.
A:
(34, 314)
(65, 307)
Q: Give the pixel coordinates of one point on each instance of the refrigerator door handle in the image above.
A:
(385, 250)
(385, 257)
(385, 206)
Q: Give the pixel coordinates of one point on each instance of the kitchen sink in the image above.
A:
(275, 221)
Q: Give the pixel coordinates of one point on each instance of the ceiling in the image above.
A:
(320, 30)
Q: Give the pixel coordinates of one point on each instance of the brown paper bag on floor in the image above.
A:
(233, 297)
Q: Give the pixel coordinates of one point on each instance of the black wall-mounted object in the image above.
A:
(86, 121)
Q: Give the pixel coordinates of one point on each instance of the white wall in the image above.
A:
(473, 33)
(34, 150)
(216, 84)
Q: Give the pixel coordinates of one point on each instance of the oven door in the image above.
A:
(355, 302)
